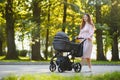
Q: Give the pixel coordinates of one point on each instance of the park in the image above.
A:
(28, 28)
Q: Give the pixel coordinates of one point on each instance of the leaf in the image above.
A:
(1, 1)
(75, 8)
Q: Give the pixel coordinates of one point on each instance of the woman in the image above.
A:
(86, 31)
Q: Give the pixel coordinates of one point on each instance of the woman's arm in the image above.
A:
(91, 32)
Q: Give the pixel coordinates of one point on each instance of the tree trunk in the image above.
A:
(11, 54)
(1, 51)
(115, 53)
(100, 53)
(64, 16)
(46, 45)
(47, 33)
(22, 41)
(114, 30)
(36, 55)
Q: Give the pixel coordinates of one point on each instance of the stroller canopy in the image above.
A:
(61, 42)
(61, 35)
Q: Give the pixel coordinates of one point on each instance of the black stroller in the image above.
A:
(62, 44)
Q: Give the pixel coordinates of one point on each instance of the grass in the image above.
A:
(26, 59)
(106, 76)
(21, 59)
(106, 62)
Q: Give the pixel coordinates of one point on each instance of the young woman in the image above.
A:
(87, 31)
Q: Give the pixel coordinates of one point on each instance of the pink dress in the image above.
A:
(87, 32)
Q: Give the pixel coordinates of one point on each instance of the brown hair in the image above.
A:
(89, 21)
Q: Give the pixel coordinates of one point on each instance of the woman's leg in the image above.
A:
(83, 61)
(89, 63)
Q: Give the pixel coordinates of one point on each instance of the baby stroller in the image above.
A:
(61, 43)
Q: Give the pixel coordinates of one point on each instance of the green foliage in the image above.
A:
(2, 27)
(106, 76)
(100, 26)
(22, 53)
(25, 26)
(105, 62)
(11, 77)
(75, 8)
(1, 1)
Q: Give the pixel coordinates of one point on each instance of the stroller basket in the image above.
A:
(77, 49)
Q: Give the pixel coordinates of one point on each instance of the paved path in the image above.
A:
(44, 69)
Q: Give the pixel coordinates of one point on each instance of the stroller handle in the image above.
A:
(78, 38)
(84, 39)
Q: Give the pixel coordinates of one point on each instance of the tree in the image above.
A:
(22, 17)
(2, 27)
(99, 39)
(114, 21)
(1, 41)
(64, 15)
(11, 54)
(2, 36)
(47, 32)
(36, 54)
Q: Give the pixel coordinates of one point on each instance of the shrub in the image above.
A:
(23, 53)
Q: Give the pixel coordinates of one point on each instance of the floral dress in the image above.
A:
(87, 32)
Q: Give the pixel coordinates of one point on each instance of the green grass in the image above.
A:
(26, 59)
(94, 62)
(21, 59)
(106, 62)
(106, 76)
(2, 57)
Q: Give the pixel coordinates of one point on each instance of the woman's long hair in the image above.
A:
(89, 21)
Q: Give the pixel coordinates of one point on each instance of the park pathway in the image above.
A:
(44, 69)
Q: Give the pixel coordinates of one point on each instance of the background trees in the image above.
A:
(36, 30)
(114, 30)
(36, 22)
(99, 31)
(10, 34)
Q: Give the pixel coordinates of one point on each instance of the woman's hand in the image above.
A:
(76, 37)
(89, 39)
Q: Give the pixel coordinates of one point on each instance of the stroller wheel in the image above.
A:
(60, 69)
(77, 67)
(52, 67)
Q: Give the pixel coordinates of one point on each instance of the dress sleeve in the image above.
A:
(91, 32)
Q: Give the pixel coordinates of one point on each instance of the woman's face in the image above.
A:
(85, 18)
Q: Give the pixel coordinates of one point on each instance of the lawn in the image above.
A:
(106, 76)
(26, 59)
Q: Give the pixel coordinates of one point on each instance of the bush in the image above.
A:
(23, 53)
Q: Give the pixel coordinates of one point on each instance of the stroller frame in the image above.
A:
(64, 63)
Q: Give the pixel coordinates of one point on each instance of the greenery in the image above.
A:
(22, 53)
(106, 62)
(105, 76)
(35, 22)
(27, 59)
